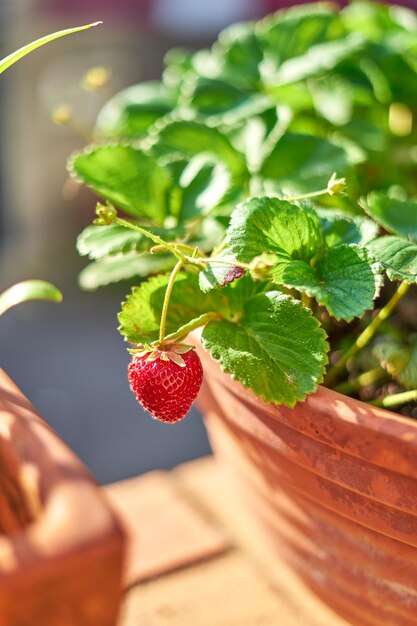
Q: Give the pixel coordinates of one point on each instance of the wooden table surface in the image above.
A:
(195, 559)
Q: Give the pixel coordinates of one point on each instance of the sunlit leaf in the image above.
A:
(26, 291)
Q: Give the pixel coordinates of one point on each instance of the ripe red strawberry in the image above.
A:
(166, 382)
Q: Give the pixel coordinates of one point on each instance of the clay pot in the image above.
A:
(333, 484)
(61, 548)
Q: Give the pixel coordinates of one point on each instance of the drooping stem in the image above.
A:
(366, 336)
(168, 292)
(363, 380)
(202, 320)
(396, 399)
(160, 242)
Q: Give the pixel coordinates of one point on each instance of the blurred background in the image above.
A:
(69, 359)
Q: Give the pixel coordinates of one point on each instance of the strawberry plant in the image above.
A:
(265, 191)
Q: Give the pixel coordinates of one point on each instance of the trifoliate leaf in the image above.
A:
(398, 217)
(277, 348)
(191, 138)
(304, 162)
(340, 228)
(112, 269)
(344, 280)
(141, 312)
(273, 226)
(132, 111)
(397, 256)
(126, 176)
(399, 359)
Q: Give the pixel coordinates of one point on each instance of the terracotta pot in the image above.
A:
(333, 484)
(61, 548)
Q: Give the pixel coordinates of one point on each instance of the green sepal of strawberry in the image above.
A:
(169, 352)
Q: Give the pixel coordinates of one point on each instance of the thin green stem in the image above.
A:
(180, 246)
(168, 292)
(363, 380)
(366, 336)
(244, 266)
(202, 320)
(305, 196)
(160, 242)
(396, 399)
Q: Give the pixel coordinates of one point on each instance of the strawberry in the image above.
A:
(166, 382)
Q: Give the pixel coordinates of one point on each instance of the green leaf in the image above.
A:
(273, 226)
(18, 54)
(344, 280)
(219, 274)
(113, 269)
(398, 257)
(141, 312)
(375, 21)
(399, 359)
(318, 60)
(223, 102)
(211, 96)
(241, 55)
(99, 241)
(178, 66)
(291, 33)
(204, 184)
(398, 217)
(276, 348)
(304, 162)
(132, 111)
(333, 99)
(125, 176)
(191, 138)
(26, 291)
(340, 228)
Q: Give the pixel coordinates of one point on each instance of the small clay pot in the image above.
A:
(61, 547)
(333, 484)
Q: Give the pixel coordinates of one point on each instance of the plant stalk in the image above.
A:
(202, 320)
(154, 238)
(396, 399)
(305, 196)
(366, 336)
(168, 292)
(213, 259)
(363, 380)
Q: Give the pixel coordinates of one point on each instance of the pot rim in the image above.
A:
(371, 433)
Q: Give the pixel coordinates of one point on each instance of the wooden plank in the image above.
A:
(208, 484)
(166, 532)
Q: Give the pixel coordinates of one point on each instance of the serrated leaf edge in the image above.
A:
(265, 397)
